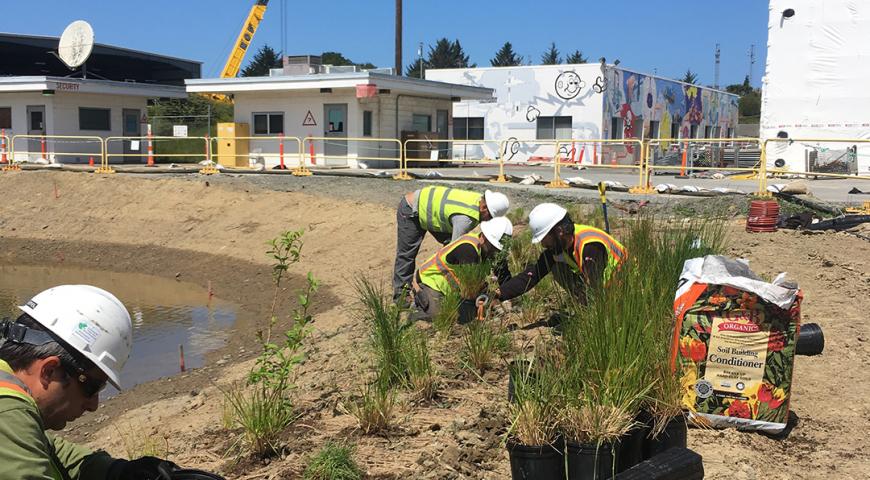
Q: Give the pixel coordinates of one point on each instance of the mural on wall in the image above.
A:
(637, 100)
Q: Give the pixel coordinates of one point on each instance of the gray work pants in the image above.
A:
(428, 303)
(409, 237)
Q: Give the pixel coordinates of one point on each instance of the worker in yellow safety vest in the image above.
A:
(579, 256)
(54, 360)
(435, 277)
(447, 214)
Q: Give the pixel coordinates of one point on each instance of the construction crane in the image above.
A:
(234, 62)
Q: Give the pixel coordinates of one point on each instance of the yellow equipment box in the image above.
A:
(233, 145)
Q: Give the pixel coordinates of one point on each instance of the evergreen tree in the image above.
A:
(445, 54)
(413, 69)
(740, 88)
(576, 57)
(551, 56)
(339, 60)
(690, 77)
(265, 59)
(506, 57)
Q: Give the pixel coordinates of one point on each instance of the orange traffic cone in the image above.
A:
(91, 161)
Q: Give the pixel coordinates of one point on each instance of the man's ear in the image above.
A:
(48, 369)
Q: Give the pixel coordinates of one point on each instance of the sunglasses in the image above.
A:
(90, 386)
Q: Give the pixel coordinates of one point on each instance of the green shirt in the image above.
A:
(25, 446)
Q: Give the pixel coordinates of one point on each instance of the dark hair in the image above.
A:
(19, 356)
(566, 225)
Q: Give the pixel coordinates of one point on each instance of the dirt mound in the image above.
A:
(216, 231)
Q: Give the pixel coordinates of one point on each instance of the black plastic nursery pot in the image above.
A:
(675, 434)
(631, 445)
(591, 461)
(194, 475)
(536, 462)
(467, 311)
(811, 340)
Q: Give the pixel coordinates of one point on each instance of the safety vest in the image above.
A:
(436, 272)
(11, 386)
(584, 235)
(436, 205)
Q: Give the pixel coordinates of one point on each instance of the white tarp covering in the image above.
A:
(817, 84)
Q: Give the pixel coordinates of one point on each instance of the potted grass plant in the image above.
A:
(534, 448)
(473, 281)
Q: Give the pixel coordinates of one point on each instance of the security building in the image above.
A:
(38, 96)
(337, 104)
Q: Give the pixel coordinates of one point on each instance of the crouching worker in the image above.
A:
(578, 256)
(54, 360)
(447, 214)
(435, 277)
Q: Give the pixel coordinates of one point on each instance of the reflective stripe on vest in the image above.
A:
(11, 386)
(584, 235)
(436, 273)
(436, 205)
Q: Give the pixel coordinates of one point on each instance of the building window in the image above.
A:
(268, 123)
(616, 128)
(693, 131)
(708, 131)
(94, 119)
(555, 128)
(367, 123)
(675, 129)
(730, 133)
(468, 128)
(6, 118)
(653, 129)
(422, 123)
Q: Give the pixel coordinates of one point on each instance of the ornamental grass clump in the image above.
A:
(374, 408)
(262, 411)
(473, 278)
(538, 399)
(448, 314)
(483, 343)
(333, 462)
(422, 378)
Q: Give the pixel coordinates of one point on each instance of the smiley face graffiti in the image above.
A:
(568, 85)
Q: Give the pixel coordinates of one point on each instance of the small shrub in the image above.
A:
(333, 462)
(483, 343)
(262, 412)
(374, 408)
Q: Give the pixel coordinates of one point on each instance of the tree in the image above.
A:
(266, 58)
(690, 77)
(551, 56)
(750, 104)
(576, 57)
(740, 89)
(506, 57)
(445, 54)
(339, 60)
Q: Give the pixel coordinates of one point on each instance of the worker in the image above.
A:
(579, 256)
(55, 359)
(447, 214)
(435, 277)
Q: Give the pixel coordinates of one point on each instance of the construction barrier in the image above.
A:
(422, 153)
(45, 149)
(352, 152)
(681, 157)
(4, 150)
(820, 160)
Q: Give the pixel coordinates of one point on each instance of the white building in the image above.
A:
(336, 109)
(584, 101)
(73, 107)
(815, 85)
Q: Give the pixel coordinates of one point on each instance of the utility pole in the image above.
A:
(751, 61)
(716, 69)
(399, 37)
(420, 56)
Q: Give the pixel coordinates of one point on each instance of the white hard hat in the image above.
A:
(497, 203)
(543, 218)
(495, 229)
(90, 320)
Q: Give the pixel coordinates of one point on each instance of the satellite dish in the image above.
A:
(76, 43)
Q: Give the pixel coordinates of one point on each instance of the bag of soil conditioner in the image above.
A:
(734, 344)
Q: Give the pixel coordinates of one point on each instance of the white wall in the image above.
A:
(816, 78)
(295, 107)
(522, 95)
(62, 118)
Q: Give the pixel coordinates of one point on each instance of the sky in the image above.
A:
(666, 37)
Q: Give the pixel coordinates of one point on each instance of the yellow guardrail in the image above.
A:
(714, 149)
(357, 149)
(604, 156)
(802, 142)
(48, 147)
(448, 146)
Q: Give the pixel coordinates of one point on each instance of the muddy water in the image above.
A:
(165, 313)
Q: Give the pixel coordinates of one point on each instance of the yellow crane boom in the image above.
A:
(234, 62)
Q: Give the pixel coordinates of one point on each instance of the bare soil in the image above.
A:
(214, 230)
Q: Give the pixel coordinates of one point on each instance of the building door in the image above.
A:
(335, 148)
(132, 128)
(35, 126)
